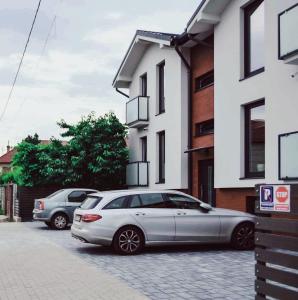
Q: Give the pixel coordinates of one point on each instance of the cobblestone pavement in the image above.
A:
(192, 272)
(32, 267)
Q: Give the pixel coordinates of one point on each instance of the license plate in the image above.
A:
(78, 218)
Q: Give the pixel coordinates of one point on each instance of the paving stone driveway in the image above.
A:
(200, 272)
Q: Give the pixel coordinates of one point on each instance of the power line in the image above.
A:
(20, 64)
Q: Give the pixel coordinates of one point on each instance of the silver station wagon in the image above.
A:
(57, 209)
(132, 219)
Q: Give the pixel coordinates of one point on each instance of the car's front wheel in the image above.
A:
(128, 241)
(48, 224)
(243, 236)
(59, 221)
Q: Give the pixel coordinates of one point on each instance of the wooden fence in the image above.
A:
(276, 252)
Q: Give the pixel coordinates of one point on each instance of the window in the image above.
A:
(206, 127)
(204, 81)
(161, 157)
(90, 202)
(117, 203)
(135, 202)
(161, 87)
(183, 202)
(144, 85)
(254, 38)
(152, 201)
(255, 139)
(77, 196)
(144, 148)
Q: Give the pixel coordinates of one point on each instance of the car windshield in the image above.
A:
(90, 202)
(54, 194)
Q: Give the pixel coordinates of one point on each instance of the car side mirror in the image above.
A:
(205, 206)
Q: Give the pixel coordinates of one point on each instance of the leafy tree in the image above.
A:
(97, 151)
(95, 156)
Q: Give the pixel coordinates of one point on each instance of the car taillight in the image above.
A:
(41, 205)
(91, 218)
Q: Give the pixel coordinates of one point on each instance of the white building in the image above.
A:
(156, 112)
(256, 93)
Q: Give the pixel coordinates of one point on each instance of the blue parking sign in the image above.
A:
(267, 197)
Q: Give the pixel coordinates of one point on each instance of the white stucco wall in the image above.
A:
(276, 85)
(173, 121)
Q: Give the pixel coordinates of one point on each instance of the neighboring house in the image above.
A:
(255, 94)
(6, 160)
(156, 112)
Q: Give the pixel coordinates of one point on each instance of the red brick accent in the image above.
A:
(234, 198)
(202, 108)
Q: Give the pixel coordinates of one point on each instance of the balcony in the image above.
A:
(137, 173)
(288, 37)
(137, 112)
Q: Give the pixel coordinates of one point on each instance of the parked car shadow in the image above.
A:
(158, 250)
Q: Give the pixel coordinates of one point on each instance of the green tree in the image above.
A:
(95, 156)
(97, 151)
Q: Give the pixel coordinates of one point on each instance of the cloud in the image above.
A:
(73, 77)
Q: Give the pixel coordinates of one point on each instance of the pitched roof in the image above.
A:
(7, 157)
(136, 50)
(156, 34)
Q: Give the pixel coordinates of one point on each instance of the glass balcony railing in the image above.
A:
(288, 37)
(137, 173)
(137, 112)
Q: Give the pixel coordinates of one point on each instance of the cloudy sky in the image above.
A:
(73, 75)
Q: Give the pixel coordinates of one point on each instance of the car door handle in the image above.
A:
(140, 214)
(180, 213)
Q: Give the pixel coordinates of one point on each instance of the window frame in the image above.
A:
(161, 154)
(161, 83)
(197, 128)
(247, 12)
(144, 87)
(202, 77)
(247, 119)
(144, 150)
(113, 200)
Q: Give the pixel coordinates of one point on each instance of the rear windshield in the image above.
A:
(54, 194)
(90, 202)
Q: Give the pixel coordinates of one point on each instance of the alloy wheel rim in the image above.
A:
(245, 236)
(60, 222)
(129, 241)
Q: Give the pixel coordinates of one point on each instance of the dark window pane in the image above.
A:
(117, 203)
(255, 140)
(90, 202)
(144, 85)
(152, 201)
(135, 202)
(183, 202)
(254, 36)
(204, 81)
(161, 92)
(206, 127)
(144, 148)
(161, 138)
(77, 196)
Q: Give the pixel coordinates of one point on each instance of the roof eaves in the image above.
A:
(196, 12)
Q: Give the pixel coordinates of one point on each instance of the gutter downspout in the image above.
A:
(122, 93)
(189, 109)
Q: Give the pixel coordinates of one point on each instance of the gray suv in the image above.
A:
(57, 209)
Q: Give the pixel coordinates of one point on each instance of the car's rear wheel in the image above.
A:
(128, 241)
(59, 221)
(243, 236)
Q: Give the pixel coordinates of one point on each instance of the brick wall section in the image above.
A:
(238, 199)
(202, 61)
